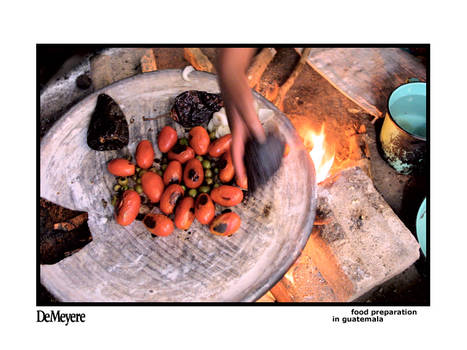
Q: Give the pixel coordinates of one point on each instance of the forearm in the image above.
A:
(232, 58)
(232, 66)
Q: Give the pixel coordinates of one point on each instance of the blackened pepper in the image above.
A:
(108, 129)
(193, 107)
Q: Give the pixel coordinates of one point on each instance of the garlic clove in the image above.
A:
(186, 71)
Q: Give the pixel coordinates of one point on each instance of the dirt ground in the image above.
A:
(310, 102)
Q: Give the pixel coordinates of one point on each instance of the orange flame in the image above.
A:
(289, 276)
(322, 158)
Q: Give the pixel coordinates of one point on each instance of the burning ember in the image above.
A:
(289, 276)
(322, 156)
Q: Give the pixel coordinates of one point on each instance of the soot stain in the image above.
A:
(357, 220)
(267, 210)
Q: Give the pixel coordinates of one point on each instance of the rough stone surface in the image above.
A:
(114, 65)
(126, 263)
(366, 75)
(62, 92)
(365, 243)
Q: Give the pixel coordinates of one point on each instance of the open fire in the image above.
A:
(321, 153)
(289, 276)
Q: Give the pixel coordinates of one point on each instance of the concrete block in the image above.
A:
(363, 243)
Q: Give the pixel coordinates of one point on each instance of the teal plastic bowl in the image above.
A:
(421, 226)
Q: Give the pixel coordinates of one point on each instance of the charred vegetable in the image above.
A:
(144, 154)
(173, 173)
(121, 167)
(225, 224)
(204, 209)
(158, 224)
(218, 147)
(167, 139)
(153, 186)
(185, 213)
(170, 198)
(128, 208)
(227, 196)
(192, 108)
(108, 129)
(193, 174)
(199, 140)
(181, 153)
(227, 171)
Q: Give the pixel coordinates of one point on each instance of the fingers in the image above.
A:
(237, 95)
(241, 112)
(248, 113)
(242, 100)
(239, 136)
(238, 150)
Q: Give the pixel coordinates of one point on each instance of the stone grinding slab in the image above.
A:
(127, 263)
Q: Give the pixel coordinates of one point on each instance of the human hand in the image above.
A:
(238, 103)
